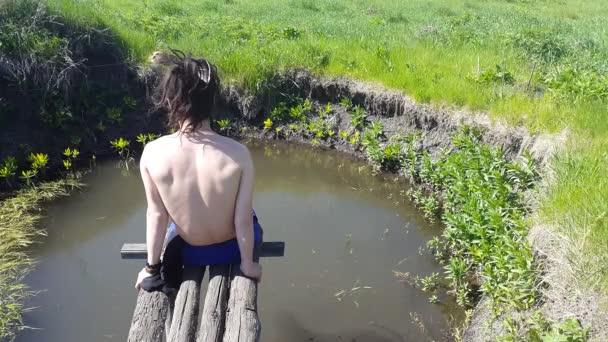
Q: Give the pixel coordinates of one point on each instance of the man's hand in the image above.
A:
(140, 277)
(252, 270)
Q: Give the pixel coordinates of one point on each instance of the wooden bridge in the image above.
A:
(229, 312)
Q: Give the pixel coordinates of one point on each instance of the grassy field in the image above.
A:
(540, 64)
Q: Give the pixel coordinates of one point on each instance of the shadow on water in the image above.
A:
(343, 226)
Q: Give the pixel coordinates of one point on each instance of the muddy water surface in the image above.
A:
(343, 228)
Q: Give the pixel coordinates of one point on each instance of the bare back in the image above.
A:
(198, 177)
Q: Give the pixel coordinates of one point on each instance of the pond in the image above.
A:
(344, 228)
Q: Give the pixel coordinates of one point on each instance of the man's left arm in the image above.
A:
(157, 220)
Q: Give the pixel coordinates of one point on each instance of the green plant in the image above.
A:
(291, 33)
(223, 124)
(346, 103)
(570, 331)
(499, 75)
(324, 111)
(392, 157)
(268, 123)
(536, 328)
(8, 169)
(144, 138)
(28, 175)
(121, 146)
(429, 206)
(114, 115)
(483, 215)
(543, 45)
(70, 154)
(318, 128)
(56, 118)
(430, 283)
(129, 102)
(358, 118)
(38, 161)
(354, 139)
(569, 83)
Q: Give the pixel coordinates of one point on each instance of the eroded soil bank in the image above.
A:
(398, 112)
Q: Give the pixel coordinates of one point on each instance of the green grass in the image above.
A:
(433, 50)
(19, 216)
(473, 54)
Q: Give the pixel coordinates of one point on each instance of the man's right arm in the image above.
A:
(243, 219)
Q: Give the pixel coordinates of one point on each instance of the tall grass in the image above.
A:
(19, 216)
(578, 204)
(432, 50)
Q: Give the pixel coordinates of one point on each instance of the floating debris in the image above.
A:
(353, 292)
(385, 233)
(401, 262)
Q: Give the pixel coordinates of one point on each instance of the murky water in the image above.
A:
(343, 228)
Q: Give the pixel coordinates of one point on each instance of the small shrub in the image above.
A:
(114, 115)
(121, 146)
(580, 85)
(70, 154)
(372, 134)
(354, 139)
(346, 103)
(56, 118)
(291, 33)
(358, 118)
(223, 124)
(129, 102)
(8, 169)
(28, 175)
(499, 75)
(542, 45)
(39, 161)
(268, 123)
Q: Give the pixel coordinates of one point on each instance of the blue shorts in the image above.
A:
(226, 252)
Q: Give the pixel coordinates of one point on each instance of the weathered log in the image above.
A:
(138, 250)
(214, 309)
(242, 323)
(186, 309)
(150, 317)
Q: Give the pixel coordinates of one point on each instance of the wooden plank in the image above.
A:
(169, 316)
(186, 309)
(149, 317)
(214, 310)
(138, 250)
(242, 322)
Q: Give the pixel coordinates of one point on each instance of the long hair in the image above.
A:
(187, 91)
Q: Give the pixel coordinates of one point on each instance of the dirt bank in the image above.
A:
(397, 111)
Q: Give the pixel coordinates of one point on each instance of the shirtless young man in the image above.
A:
(200, 181)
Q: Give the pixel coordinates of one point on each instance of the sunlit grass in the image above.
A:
(19, 216)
